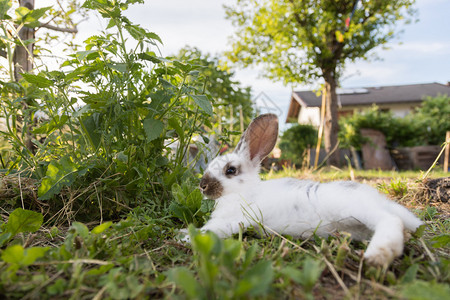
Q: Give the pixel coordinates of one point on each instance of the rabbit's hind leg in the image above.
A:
(386, 242)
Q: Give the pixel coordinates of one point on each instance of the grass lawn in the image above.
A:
(139, 256)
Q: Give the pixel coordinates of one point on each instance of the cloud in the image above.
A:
(424, 47)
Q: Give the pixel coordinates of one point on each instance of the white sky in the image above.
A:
(423, 56)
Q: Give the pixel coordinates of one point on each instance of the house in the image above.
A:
(304, 107)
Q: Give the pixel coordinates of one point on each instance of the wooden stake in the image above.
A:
(231, 117)
(447, 151)
(241, 118)
(322, 120)
(220, 119)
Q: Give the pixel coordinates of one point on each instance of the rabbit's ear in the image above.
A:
(260, 137)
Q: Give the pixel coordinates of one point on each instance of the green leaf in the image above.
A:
(136, 32)
(311, 272)
(55, 123)
(153, 129)
(102, 227)
(134, 286)
(4, 237)
(181, 212)
(249, 255)
(232, 252)
(257, 280)
(83, 54)
(177, 192)
(185, 280)
(440, 241)
(16, 254)
(307, 276)
(90, 127)
(203, 102)
(22, 11)
(121, 67)
(81, 229)
(203, 243)
(32, 18)
(59, 174)
(410, 274)
(292, 273)
(22, 220)
(421, 290)
(173, 122)
(150, 56)
(58, 287)
(100, 270)
(38, 80)
(5, 5)
(153, 36)
(182, 66)
(13, 254)
(32, 254)
(194, 200)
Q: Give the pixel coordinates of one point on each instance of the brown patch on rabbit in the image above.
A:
(211, 187)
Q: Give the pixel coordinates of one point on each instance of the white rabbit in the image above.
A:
(297, 207)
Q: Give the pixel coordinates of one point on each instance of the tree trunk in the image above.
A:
(331, 127)
(23, 62)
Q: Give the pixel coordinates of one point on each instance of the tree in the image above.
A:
(231, 99)
(301, 41)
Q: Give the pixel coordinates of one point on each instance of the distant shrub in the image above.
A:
(433, 119)
(296, 140)
(425, 126)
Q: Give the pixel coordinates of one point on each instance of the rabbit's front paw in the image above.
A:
(383, 255)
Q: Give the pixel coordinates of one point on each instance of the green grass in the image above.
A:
(140, 257)
(328, 174)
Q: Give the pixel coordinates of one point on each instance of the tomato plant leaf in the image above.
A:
(59, 174)
(38, 80)
(203, 102)
(153, 129)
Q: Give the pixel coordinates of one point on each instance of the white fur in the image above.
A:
(301, 208)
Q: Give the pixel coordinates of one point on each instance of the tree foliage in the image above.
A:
(298, 41)
(303, 41)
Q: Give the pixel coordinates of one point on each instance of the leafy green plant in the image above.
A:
(107, 119)
(396, 188)
(225, 270)
(189, 205)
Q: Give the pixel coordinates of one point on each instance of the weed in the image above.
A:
(396, 188)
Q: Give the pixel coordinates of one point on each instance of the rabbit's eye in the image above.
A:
(231, 171)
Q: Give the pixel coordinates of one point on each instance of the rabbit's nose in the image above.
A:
(203, 185)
